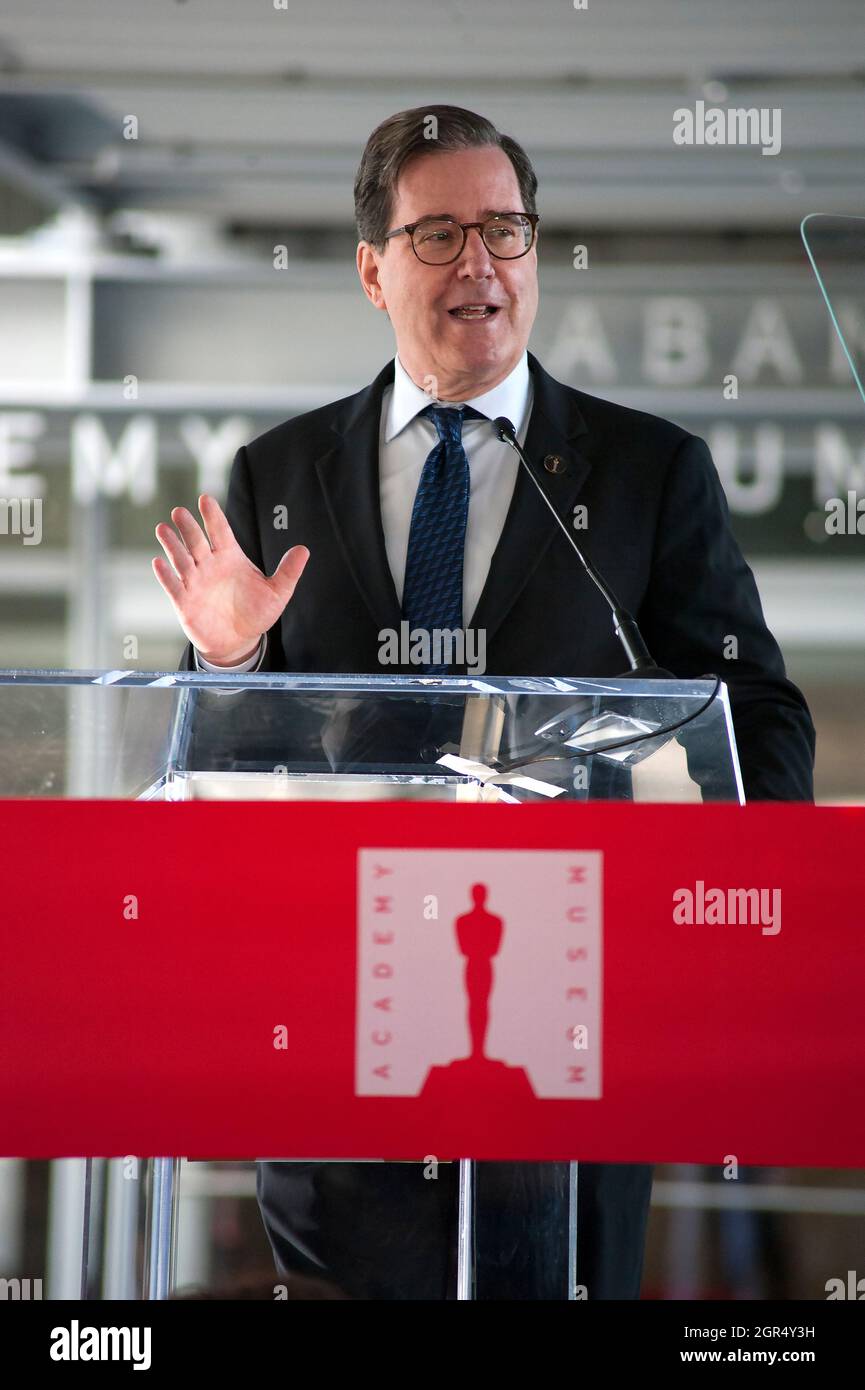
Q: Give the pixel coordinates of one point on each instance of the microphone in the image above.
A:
(624, 623)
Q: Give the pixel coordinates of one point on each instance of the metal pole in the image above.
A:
(65, 1228)
(85, 1233)
(194, 1254)
(466, 1231)
(163, 1227)
(13, 1180)
(573, 1228)
(121, 1231)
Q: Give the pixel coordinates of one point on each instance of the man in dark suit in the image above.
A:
(408, 506)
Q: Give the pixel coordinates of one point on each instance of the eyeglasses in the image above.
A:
(440, 240)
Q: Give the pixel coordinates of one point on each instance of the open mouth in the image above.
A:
(471, 312)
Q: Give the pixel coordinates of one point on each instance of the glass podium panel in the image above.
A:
(170, 736)
(835, 246)
(499, 1229)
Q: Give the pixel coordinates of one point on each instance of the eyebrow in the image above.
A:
(487, 212)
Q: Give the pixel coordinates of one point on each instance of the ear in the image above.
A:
(368, 260)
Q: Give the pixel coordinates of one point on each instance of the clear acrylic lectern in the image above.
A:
(183, 736)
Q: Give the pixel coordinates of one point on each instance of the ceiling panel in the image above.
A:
(252, 114)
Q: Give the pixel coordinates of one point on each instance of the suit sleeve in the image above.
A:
(702, 613)
(241, 514)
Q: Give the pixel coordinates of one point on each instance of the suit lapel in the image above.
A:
(554, 426)
(349, 477)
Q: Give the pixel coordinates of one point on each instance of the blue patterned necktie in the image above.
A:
(433, 587)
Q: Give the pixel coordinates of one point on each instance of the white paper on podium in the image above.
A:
(487, 776)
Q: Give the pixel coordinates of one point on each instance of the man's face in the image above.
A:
(464, 357)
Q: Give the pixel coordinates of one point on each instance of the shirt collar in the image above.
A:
(509, 398)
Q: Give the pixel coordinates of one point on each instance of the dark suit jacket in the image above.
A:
(658, 529)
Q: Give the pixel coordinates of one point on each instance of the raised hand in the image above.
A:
(222, 600)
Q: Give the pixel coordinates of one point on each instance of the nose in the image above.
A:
(475, 260)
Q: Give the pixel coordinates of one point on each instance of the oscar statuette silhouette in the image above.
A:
(479, 937)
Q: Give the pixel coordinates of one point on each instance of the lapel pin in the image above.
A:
(554, 464)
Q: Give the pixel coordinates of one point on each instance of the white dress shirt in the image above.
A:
(405, 441)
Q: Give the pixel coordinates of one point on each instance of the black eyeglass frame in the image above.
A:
(465, 227)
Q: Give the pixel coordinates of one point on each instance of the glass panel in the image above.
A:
(174, 736)
(834, 244)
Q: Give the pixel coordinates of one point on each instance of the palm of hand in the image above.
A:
(222, 600)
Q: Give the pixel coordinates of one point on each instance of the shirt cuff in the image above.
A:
(251, 663)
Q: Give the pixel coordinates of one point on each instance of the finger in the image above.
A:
(288, 571)
(167, 578)
(194, 538)
(218, 529)
(174, 549)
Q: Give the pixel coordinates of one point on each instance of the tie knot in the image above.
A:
(448, 420)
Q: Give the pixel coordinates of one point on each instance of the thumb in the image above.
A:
(288, 571)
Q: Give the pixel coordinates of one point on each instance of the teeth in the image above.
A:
(474, 310)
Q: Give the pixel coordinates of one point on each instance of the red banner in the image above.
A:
(399, 980)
